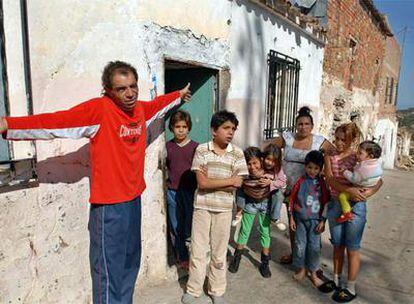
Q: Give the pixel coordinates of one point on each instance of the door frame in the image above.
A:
(196, 64)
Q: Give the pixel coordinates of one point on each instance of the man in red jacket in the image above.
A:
(116, 126)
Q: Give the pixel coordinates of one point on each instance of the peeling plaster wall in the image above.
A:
(338, 103)
(207, 17)
(44, 255)
(254, 32)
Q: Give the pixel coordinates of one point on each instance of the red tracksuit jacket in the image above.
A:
(117, 140)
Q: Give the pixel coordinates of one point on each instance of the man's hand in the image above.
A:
(3, 125)
(292, 224)
(203, 170)
(321, 227)
(185, 93)
(237, 180)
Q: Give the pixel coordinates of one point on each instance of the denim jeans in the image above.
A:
(276, 202)
(348, 234)
(251, 205)
(180, 216)
(307, 251)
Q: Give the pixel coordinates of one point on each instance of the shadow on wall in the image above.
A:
(251, 46)
(69, 168)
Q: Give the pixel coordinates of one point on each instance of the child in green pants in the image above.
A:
(254, 199)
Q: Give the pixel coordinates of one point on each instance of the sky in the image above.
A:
(400, 14)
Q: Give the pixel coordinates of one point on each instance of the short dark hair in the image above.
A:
(221, 117)
(304, 112)
(180, 115)
(252, 152)
(315, 157)
(116, 67)
(372, 148)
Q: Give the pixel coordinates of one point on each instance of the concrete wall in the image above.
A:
(254, 32)
(44, 253)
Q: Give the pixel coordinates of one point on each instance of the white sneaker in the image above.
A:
(281, 226)
(236, 221)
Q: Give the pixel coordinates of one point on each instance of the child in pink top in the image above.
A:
(366, 173)
(272, 163)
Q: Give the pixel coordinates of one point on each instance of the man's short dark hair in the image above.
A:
(116, 67)
(315, 157)
(372, 148)
(180, 115)
(221, 117)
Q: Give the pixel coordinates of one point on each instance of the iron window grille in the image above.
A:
(282, 93)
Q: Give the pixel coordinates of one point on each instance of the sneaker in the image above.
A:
(347, 216)
(218, 300)
(190, 299)
(281, 226)
(236, 221)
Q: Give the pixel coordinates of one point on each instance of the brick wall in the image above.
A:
(349, 19)
(391, 69)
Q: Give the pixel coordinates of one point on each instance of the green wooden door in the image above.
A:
(201, 106)
(4, 148)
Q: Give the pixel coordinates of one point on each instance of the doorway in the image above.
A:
(204, 95)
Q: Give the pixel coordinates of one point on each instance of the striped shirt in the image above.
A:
(253, 188)
(218, 167)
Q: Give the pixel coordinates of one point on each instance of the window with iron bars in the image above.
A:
(17, 158)
(282, 93)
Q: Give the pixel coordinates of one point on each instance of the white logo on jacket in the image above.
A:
(127, 131)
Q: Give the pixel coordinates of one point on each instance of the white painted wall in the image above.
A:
(386, 133)
(254, 32)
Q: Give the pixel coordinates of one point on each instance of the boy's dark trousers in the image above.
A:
(115, 250)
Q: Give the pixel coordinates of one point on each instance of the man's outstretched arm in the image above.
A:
(158, 107)
(80, 121)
